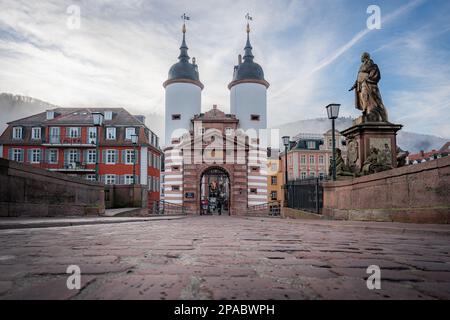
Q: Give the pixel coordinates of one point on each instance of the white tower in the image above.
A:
(183, 95)
(248, 91)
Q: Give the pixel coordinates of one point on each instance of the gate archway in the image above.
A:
(215, 191)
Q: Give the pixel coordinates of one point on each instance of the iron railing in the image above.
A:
(162, 207)
(305, 194)
(266, 209)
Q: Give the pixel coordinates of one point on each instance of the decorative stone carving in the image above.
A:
(342, 169)
(376, 162)
(352, 153)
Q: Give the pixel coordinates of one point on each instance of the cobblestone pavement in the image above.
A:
(224, 258)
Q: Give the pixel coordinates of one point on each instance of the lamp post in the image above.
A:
(97, 118)
(286, 144)
(333, 114)
(134, 140)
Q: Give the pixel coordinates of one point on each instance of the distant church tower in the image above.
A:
(183, 94)
(248, 91)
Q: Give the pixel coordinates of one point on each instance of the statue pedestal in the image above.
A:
(362, 137)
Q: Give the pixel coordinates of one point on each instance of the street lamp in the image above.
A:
(97, 118)
(134, 140)
(333, 114)
(286, 144)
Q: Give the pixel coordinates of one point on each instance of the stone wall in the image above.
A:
(417, 193)
(126, 196)
(30, 191)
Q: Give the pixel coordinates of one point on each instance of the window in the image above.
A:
(303, 175)
(91, 156)
(129, 132)
(175, 141)
(128, 179)
(50, 115)
(52, 156)
(312, 174)
(175, 188)
(253, 191)
(274, 167)
(110, 157)
(108, 115)
(303, 159)
(17, 132)
(330, 143)
(73, 132)
(90, 177)
(92, 135)
(17, 155)
(311, 159)
(110, 179)
(273, 180)
(311, 145)
(36, 133)
(228, 131)
(175, 168)
(321, 159)
(129, 156)
(321, 175)
(255, 117)
(111, 133)
(273, 195)
(255, 169)
(35, 156)
(176, 116)
(73, 156)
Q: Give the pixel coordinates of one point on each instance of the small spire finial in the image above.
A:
(183, 49)
(248, 47)
(249, 18)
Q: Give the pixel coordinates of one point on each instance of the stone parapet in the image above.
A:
(29, 191)
(417, 193)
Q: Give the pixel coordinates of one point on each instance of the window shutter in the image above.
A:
(85, 152)
(29, 155)
(66, 157)
(79, 132)
(116, 160)
(78, 159)
(103, 156)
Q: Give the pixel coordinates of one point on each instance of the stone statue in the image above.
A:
(367, 94)
(376, 161)
(342, 169)
(401, 157)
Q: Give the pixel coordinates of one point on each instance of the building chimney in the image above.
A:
(422, 153)
(239, 59)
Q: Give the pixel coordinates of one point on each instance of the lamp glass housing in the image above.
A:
(134, 138)
(286, 140)
(333, 110)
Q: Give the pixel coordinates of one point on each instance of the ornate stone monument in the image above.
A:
(371, 141)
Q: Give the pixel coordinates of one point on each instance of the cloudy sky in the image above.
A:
(309, 50)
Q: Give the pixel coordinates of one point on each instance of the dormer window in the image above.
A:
(108, 115)
(129, 132)
(17, 133)
(36, 133)
(111, 133)
(311, 145)
(50, 115)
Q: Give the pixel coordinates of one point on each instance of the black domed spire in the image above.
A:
(183, 69)
(248, 69)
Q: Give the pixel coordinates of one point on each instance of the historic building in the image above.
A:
(423, 156)
(215, 157)
(275, 180)
(64, 140)
(310, 155)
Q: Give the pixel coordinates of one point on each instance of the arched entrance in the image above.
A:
(215, 192)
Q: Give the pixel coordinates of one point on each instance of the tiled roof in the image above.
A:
(79, 116)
